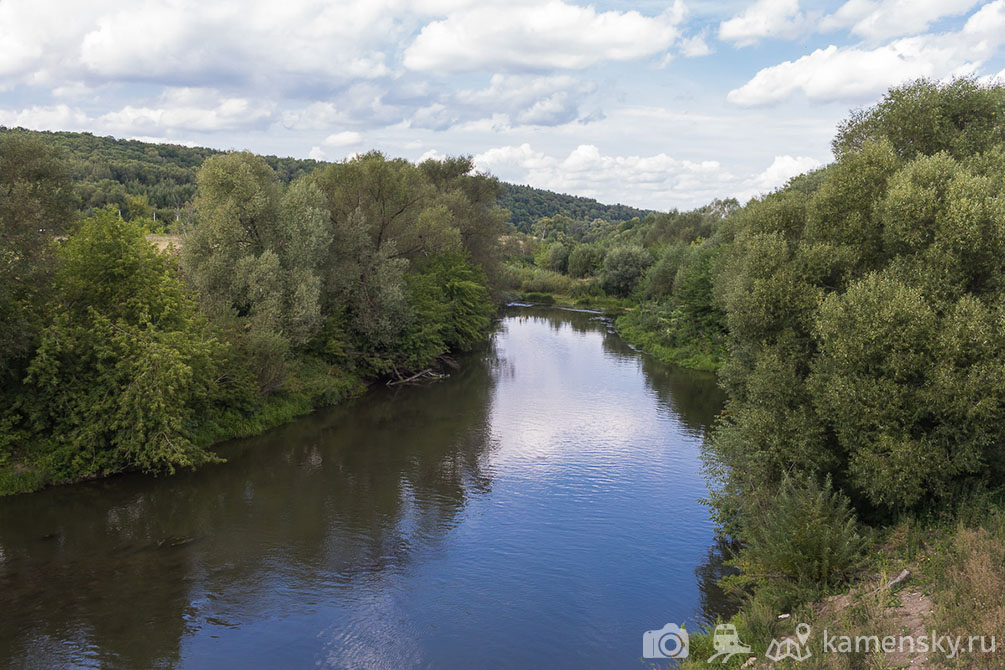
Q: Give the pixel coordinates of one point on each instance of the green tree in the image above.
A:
(558, 258)
(623, 268)
(255, 258)
(127, 369)
(585, 260)
(36, 206)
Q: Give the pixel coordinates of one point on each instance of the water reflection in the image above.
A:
(546, 491)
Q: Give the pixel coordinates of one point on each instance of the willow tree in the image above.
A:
(864, 310)
(391, 220)
(255, 258)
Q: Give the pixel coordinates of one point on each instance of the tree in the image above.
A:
(36, 206)
(127, 368)
(623, 268)
(864, 311)
(585, 260)
(558, 258)
(390, 219)
(255, 258)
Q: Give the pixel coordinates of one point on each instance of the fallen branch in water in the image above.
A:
(418, 376)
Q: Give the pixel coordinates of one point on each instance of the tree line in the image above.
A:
(284, 296)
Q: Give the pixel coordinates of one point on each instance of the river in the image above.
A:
(538, 508)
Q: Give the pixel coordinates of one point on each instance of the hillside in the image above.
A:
(527, 205)
(107, 170)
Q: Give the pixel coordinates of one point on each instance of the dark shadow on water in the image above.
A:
(119, 572)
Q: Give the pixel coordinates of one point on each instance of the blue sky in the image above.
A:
(653, 104)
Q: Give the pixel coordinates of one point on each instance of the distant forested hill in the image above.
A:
(141, 178)
(136, 175)
(527, 205)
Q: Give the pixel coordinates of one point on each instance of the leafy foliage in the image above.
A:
(623, 268)
(127, 367)
(35, 207)
(864, 307)
(806, 533)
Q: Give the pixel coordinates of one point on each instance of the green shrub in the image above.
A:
(807, 533)
(545, 298)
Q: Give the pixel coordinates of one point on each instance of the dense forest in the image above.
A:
(527, 205)
(156, 181)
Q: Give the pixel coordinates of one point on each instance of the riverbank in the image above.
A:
(927, 586)
(29, 471)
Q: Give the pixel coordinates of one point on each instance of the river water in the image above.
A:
(539, 508)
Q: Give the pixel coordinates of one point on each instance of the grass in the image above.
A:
(693, 354)
(955, 590)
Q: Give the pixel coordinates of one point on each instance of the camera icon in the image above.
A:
(669, 642)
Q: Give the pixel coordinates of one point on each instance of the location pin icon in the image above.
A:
(803, 633)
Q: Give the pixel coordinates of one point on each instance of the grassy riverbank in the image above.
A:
(953, 592)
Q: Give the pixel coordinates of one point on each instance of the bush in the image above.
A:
(538, 280)
(545, 298)
(807, 533)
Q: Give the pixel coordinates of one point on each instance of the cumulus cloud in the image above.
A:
(292, 45)
(204, 110)
(858, 73)
(781, 170)
(695, 46)
(45, 117)
(188, 42)
(346, 138)
(432, 117)
(362, 105)
(861, 73)
(530, 100)
(883, 19)
(658, 180)
(764, 19)
(536, 36)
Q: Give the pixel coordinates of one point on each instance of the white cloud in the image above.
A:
(316, 153)
(433, 117)
(42, 117)
(781, 170)
(316, 116)
(658, 179)
(204, 110)
(537, 36)
(882, 19)
(530, 100)
(695, 47)
(346, 138)
(288, 44)
(780, 19)
(860, 74)
(292, 45)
